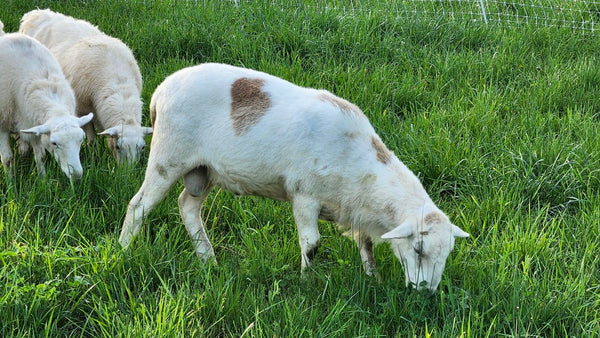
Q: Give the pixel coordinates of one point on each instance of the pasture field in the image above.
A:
(500, 123)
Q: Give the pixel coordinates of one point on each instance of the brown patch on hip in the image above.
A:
(248, 103)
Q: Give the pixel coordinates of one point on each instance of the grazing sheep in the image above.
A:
(255, 134)
(37, 101)
(103, 73)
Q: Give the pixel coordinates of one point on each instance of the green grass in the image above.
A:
(500, 123)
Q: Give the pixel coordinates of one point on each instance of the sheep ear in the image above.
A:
(37, 130)
(112, 131)
(402, 231)
(85, 119)
(147, 130)
(458, 232)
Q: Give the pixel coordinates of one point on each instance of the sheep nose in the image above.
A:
(77, 175)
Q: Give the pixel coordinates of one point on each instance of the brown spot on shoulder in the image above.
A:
(390, 210)
(348, 134)
(248, 103)
(383, 154)
(342, 104)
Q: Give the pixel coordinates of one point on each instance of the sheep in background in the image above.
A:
(103, 73)
(256, 134)
(37, 101)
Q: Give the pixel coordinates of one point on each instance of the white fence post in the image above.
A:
(483, 11)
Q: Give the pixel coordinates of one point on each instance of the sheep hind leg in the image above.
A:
(306, 214)
(197, 188)
(157, 182)
(5, 152)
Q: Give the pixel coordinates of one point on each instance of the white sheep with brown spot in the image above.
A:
(256, 134)
(37, 102)
(103, 73)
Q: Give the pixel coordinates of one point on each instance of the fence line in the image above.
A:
(580, 15)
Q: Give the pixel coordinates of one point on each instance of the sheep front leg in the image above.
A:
(38, 154)
(306, 214)
(197, 188)
(365, 246)
(156, 184)
(5, 152)
(23, 146)
(90, 132)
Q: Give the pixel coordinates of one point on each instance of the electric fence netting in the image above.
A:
(579, 15)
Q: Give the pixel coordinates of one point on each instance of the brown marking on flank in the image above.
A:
(424, 233)
(383, 154)
(248, 103)
(432, 217)
(342, 104)
(162, 171)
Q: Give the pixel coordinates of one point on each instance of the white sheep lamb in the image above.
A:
(103, 73)
(256, 134)
(37, 101)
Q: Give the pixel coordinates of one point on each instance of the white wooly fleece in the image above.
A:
(1, 28)
(103, 73)
(256, 134)
(37, 101)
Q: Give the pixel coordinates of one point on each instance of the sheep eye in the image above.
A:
(54, 144)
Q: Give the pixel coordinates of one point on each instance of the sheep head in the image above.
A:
(62, 136)
(422, 244)
(127, 141)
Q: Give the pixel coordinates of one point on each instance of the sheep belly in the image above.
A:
(272, 187)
